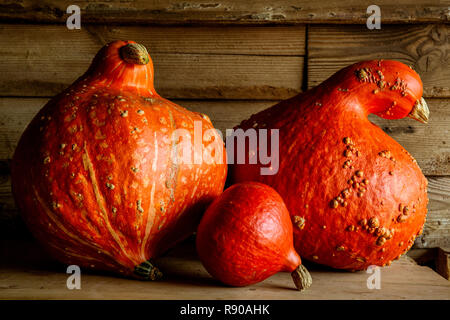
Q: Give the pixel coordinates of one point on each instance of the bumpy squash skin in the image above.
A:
(93, 174)
(245, 236)
(356, 197)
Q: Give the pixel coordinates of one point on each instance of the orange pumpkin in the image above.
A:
(356, 197)
(97, 174)
(245, 236)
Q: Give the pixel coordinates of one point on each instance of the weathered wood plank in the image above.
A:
(11, 225)
(424, 47)
(436, 232)
(443, 262)
(228, 76)
(429, 144)
(225, 11)
(231, 63)
(423, 256)
(15, 114)
(26, 272)
(240, 40)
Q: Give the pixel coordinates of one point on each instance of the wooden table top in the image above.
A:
(26, 273)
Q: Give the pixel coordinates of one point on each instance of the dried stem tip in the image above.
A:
(134, 53)
(420, 111)
(302, 278)
(147, 271)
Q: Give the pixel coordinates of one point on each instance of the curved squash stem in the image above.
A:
(420, 111)
(302, 278)
(147, 271)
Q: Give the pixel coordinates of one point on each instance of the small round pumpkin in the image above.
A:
(98, 175)
(245, 236)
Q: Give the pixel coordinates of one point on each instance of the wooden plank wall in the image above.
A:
(230, 59)
(226, 11)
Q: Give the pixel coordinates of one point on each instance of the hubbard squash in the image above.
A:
(245, 236)
(356, 197)
(97, 174)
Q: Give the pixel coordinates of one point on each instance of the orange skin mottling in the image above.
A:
(319, 131)
(93, 174)
(245, 236)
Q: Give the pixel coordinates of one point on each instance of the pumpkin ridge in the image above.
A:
(120, 64)
(56, 221)
(173, 166)
(151, 208)
(99, 198)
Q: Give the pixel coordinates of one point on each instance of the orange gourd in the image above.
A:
(356, 197)
(245, 236)
(96, 173)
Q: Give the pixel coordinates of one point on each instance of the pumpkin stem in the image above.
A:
(302, 278)
(134, 53)
(147, 271)
(420, 111)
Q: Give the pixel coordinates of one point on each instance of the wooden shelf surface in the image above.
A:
(26, 273)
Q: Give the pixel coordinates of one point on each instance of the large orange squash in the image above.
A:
(98, 174)
(356, 197)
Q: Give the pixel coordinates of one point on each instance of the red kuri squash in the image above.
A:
(245, 236)
(356, 197)
(97, 174)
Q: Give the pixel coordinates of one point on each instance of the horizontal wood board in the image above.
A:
(443, 262)
(225, 11)
(222, 62)
(190, 63)
(26, 273)
(426, 48)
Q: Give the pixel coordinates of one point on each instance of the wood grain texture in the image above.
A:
(242, 40)
(239, 40)
(429, 144)
(26, 273)
(424, 47)
(190, 63)
(225, 11)
(11, 225)
(443, 262)
(423, 256)
(436, 232)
